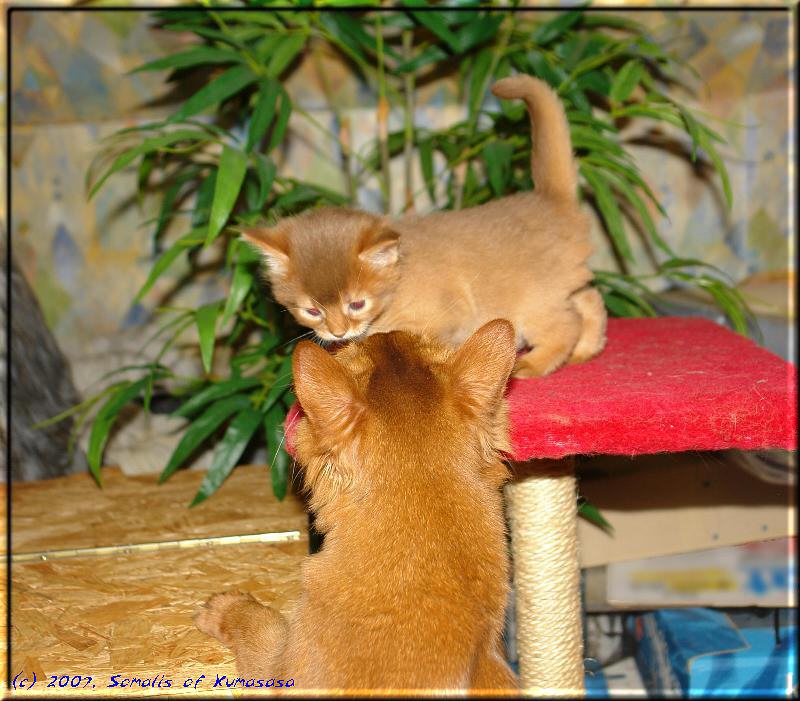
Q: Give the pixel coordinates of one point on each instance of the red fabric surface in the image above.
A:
(661, 385)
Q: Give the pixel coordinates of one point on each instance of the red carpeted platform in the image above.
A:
(661, 385)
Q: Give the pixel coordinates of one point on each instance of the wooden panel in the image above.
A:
(131, 614)
(73, 512)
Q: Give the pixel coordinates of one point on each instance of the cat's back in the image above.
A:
(520, 228)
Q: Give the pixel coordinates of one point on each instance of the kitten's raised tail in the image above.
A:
(552, 164)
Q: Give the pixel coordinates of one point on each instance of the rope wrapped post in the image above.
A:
(542, 511)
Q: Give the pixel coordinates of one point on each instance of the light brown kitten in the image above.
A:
(400, 447)
(345, 273)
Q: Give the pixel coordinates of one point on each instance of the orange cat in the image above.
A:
(345, 273)
(400, 444)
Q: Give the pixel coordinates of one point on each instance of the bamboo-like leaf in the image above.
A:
(691, 127)
(85, 405)
(719, 166)
(279, 462)
(280, 385)
(598, 19)
(166, 259)
(596, 81)
(232, 167)
(218, 90)
(143, 176)
(477, 85)
(628, 171)
(265, 167)
(592, 140)
(197, 55)
(629, 290)
(228, 452)
(609, 210)
(497, 156)
(206, 319)
(268, 18)
(592, 513)
(201, 428)
(285, 53)
(675, 262)
(426, 165)
(205, 196)
(350, 31)
(612, 52)
(479, 29)
(430, 54)
(434, 22)
(241, 284)
(626, 80)
(263, 113)
(547, 32)
(235, 38)
(284, 111)
(215, 391)
(660, 113)
(545, 69)
(105, 420)
(153, 143)
(727, 298)
(167, 209)
(620, 306)
(638, 204)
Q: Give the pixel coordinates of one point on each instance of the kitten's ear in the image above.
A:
(380, 246)
(272, 243)
(327, 393)
(482, 365)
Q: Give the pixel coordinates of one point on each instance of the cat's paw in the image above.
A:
(211, 618)
(539, 362)
(528, 368)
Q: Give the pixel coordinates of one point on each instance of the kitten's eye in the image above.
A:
(356, 306)
(313, 311)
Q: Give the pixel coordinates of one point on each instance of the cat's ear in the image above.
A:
(482, 365)
(328, 394)
(380, 246)
(272, 243)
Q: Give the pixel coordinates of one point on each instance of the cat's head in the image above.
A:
(395, 412)
(334, 269)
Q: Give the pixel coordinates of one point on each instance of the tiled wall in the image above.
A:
(85, 260)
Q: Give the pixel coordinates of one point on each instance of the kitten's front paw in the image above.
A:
(538, 362)
(211, 618)
(527, 368)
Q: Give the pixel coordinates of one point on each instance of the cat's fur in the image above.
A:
(400, 446)
(522, 258)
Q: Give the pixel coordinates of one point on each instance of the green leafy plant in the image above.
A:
(213, 163)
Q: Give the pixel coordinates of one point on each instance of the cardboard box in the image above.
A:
(676, 503)
(703, 652)
(752, 574)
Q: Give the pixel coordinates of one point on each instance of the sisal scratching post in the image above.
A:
(543, 512)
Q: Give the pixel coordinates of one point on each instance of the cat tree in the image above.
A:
(660, 385)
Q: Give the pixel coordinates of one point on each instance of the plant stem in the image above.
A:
(408, 146)
(343, 122)
(472, 123)
(383, 120)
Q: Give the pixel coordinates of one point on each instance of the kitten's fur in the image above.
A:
(522, 258)
(400, 445)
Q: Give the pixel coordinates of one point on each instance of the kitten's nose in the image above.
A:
(338, 334)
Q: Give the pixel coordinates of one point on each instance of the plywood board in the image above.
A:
(132, 615)
(73, 512)
(128, 612)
